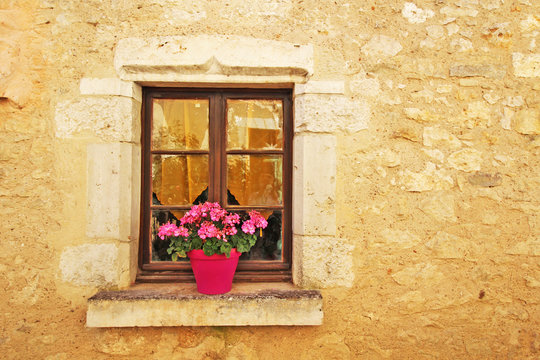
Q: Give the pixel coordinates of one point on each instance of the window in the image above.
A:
(231, 146)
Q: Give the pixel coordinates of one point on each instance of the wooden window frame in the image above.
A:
(248, 270)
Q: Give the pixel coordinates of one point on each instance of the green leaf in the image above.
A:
(196, 243)
(252, 240)
(226, 249)
(208, 249)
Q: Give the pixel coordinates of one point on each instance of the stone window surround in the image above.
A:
(320, 260)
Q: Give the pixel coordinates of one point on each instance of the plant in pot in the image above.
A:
(213, 239)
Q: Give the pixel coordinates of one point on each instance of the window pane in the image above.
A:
(255, 179)
(179, 179)
(180, 124)
(269, 245)
(254, 124)
(159, 247)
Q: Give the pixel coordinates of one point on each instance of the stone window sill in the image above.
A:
(247, 304)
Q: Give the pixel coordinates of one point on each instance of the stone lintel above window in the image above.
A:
(212, 59)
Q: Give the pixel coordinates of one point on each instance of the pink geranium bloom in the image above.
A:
(208, 230)
(211, 221)
(167, 229)
(231, 219)
(181, 231)
(248, 227)
(258, 220)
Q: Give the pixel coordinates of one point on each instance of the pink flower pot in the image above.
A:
(213, 274)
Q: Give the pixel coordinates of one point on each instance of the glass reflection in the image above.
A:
(255, 179)
(159, 247)
(178, 179)
(267, 247)
(254, 124)
(180, 124)
(269, 240)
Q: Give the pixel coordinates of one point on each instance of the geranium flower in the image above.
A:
(210, 222)
(248, 227)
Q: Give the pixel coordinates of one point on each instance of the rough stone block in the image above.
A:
(381, 46)
(513, 101)
(448, 246)
(110, 119)
(314, 187)
(366, 87)
(440, 207)
(420, 68)
(530, 24)
(428, 286)
(467, 160)
(110, 86)
(498, 34)
(325, 113)
(528, 247)
(452, 11)
(17, 70)
(320, 87)
(426, 180)
(527, 66)
(527, 121)
(422, 115)
(90, 264)
(113, 191)
(483, 70)
(437, 137)
(414, 14)
(261, 10)
(418, 273)
(395, 239)
(326, 262)
(478, 114)
(181, 305)
(208, 58)
(435, 31)
(485, 180)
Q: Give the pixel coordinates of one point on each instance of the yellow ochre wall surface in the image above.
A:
(434, 134)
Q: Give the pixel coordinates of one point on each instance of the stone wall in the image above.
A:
(433, 130)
